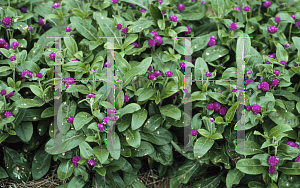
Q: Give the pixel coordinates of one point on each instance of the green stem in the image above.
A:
(31, 5)
(4, 102)
(290, 32)
(246, 18)
(165, 82)
(7, 34)
(140, 37)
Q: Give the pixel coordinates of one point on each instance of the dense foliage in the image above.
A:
(150, 92)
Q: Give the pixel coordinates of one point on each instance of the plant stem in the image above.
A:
(290, 32)
(30, 5)
(165, 82)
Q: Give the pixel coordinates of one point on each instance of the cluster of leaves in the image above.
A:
(150, 117)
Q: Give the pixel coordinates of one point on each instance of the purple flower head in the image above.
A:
(92, 162)
(46, 28)
(12, 58)
(67, 86)
(267, 62)
(2, 42)
(248, 72)
(151, 77)
(202, 2)
(181, 7)
(114, 1)
(188, 31)
(293, 16)
(265, 86)
(297, 159)
(101, 127)
(220, 92)
(52, 56)
(275, 82)
(70, 119)
(125, 30)
(272, 170)
(3, 92)
(169, 74)
(23, 9)
(259, 87)
(283, 63)
(212, 42)
(160, 2)
(157, 73)
(6, 46)
(7, 114)
(111, 111)
(255, 108)
(272, 29)
(90, 95)
(248, 81)
(6, 20)
(237, 8)
(223, 111)
(119, 26)
(208, 74)
(158, 40)
(248, 107)
(151, 42)
(9, 95)
(276, 72)
(297, 23)
(107, 64)
(194, 132)
(136, 45)
(121, 10)
(42, 22)
(131, 5)
(211, 119)
(126, 98)
(143, 10)
(210, 106)
(234, 90)
(273, 161)
(68, 29)
(247, 8)
(75, 160)
(233, 26)
(286, 45)
(163, 12)
(70, 80)
(154, 33)
(277, 19)
(14, 45)
(292, 144)
(150, 68)
(267, 4)
(39, 75)
(55, 5)
(105, 120)
(173, 18)
(182, 65)
(217, 106)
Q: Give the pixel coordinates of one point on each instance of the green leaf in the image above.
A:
(141, 3)
(65, 169)
(250, 166)
(37, 91)
(49, 16)
(81, 119)
(282, 117)
(3, 173)
(130, 39)
(35, 53)
(163, 154)
(101, 153)
(24, 130)
(77, 182)
(138, 118)
(234, 176)
(144, 148)
(250, 148)
(78, 12)
(85, 150)
(229, 73)
(146, 94)
(114, 152)
(161, 24)
(291, 168)
(202, 145)
(120, 100)
(155, 12)
(122, 63)
(286, 181)
(211, 182)
(74, 66)
(40, 164)
(133, 137)
(159, 137)
(171, 111)
(3, 136)
(85, 28)
(199, 43)
(230, 113)
(5, 52)
(216, 4)
(298, 107)
(78, 88)
(129, 109)
(170, 89)
(48, 112)
(153, 123)
(28, 103)
(214, 52)
(81, 171)
(281, 54)
(71, 44)
(278, 130)
(286, 94)
(192, 16)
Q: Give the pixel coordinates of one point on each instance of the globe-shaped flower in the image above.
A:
(39, 75)
(70, 80)
(105, 120)
(101, 127)
(3, 92)
(202, 2)
(212, 41)
(234, 90)
(297, 159)
(277, 19)
(275, 82)
(233, 26)
(276, 72)
(267, 4)
(6, 20)
(286, 45)
(217, 106)
(182, 65)
(75, 160)
(154, 33)
(136, 45)
(12, 58)
(119, 26)
(55, 5)
(23, 9)
(181, 7)
(211, 119)
(160, 2)
(272, 170)
(259, 87)
(265, 86)
(220, 92)
(247, 8)
(158, 40)
(126, 98)
(188, 31)
(90, 95)
(143, 10)
(210, 106)
(292, 144)
(7, 114)
(237, 8)
(2, 42)
(151, 42)
(208, 74)
(283, 63)
(248, 107)
(173, 18)
(70, 119)
(268, 62)
(293, 16)
(297, 23)
(125, 30)
(92, 162)
(223, 111)
(256, 108)
(114, 1)
(52, 56)
(272, 29)
(157, 73)
(163, 12)
(111, 111)
(151, 77)
(194, 132)
(273, 161)
(68, 29)
(107, 64)
(14, 45)
(150, 68)
(9, 95)
(169, 74)
(248, 81)
(42, 22)
(248, 72)
(67, 86)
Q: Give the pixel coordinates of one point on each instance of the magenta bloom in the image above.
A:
(92, 162)
(136, 45)
(105, 119)
(182, 65)
(126, 98)
(154, 33)
(237, 8)
(248, 72)
(202, 2)
(6, 20)
(67, 86)
(273, 161)
(163, 12)
(14, 45)
(6, 46)
(151, 42)
(12, 58)
(157, 73)
(275, 82)
(26, 72)
(283, 63)
(55, 5)
(211, 119)
(68, 29)
(90, 95)
(158, 40)
(39, 75)
(293, 16)
(208, 74)
(119, 26)
(173, 18)
(272, 170)
(265, 86)
(101, 127)
(248, 107)
(234, 90)
(212, 41)
(160, 2)
(111, 111)
(297, 23)
(150, 68)
(151, 77)
(169, 74)
(7, 114)
(268, 62)
(9, 95)
(292, 144)
(297, 159)
(107, 64)
(131, 5)
(125, 30)
(181, 7)
(70, 119)
(75, 160)
(142, 10)
(276, 72)
(223, 111)
(272, 29)
(52, 56)
(247, 8)
(210, 106)
(286, 45)
(217, 106)
(188, 31)
(114, 1)
(194, 132)
(42, 22)
(2, 42)
(69, 80)
(267, 4)
(3, 92)
(255, 108)
(23, 9)
(277, 19)
(248, 81)
(233, 26)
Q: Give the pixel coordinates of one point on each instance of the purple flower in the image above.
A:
(265, 86)
(255, 108)
(210, 106)
(70, 119)
(247, 8)
(297, 159)
(182, 65)
(46, 27)
(107, 64)
(6, 46)
(39, 75)
(12, 58)
(248, 72)
(248, 107)
(188, 31)
(3, 92)
(234, 90)
(52, 56)
(125, 30)
(23, 9)
(163, 12)
(267, 4)
(223, 111)
(42, 22)
(169, 74)
(151, 42)
(217, 106)
(131, 5)
(151, 77)
(55, 5)
(136, 45)
(75, 160)
(105, 120)
(69, 80)
(283, 62)
(2, 42)
(233, 26)
(273, 161)
(142, 10)
(154, 33)
(292, 144)
(295, 65)
(202, 2)
(277, 19)
(119, 26)
(276, 72)
(208, 74)
(181, 7)
(248, 81)
(297, 23)
(30, 28)
(150, 68)
(272, 170)
(90, 95)
(194, 132)
(286, 45)
(14, 45)
(92, 162)
(259, 87)
(111, 111)
(6, 20)
(114, 1)
(126, 98)
(212, 41)
(237, 8)
(211, 119)
(273, 55)
(157, 73)
(272, 29)
(160, 2)
(275, 82)
(101, 127)
(9, 95)
(293, 16)
(7, 114)
(173, 18)
(68, 29)
(220, 92)
(158, 40)
(67, 86)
